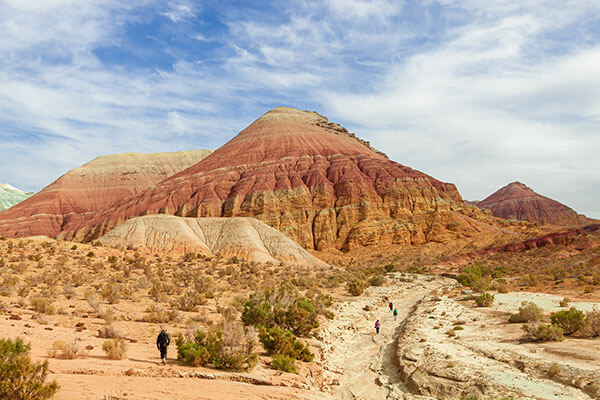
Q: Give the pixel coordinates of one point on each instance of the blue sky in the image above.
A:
(478, 93)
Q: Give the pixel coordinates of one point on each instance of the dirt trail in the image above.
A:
(358, 363)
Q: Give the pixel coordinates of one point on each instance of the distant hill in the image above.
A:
(518, 201)
(10, 196)
(245, 238)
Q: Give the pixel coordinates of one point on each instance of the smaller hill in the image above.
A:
(518, 201)
(10, 196)
(245, 238)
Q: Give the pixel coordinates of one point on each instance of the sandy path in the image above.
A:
(358, 363)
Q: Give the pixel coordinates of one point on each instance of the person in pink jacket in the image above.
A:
(377, 326)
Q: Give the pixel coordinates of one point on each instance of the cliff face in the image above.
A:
(10, 196)
(306, 177)
(97, 185)
(517, 201)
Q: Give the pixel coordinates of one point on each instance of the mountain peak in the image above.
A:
(518, 201)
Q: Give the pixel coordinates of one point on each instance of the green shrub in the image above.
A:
(544, 332)
(284, 307)
(356, 287)
(389, 268)
(284, 363)
(476, 276)
(278, 341)
(115, 349)
(377, 280)
(571, 320)
(217, 350)
(565, 302)
(20, 378)
(484, 300)
(528, 312)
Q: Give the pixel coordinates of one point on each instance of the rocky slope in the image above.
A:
(245, 238)
(95, 186)
(517, 201)
(307, 177)
(10, 196)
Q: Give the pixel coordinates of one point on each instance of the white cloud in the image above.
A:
(179, 10)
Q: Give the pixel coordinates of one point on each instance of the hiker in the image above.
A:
(391, 305)
(377, 326)
(395, 313)
(162, 342)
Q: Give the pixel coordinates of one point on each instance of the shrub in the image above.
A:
(215, 348)
(109, 331)
(257, 312)
(20, 378)
(592, 323)
(571, 321)
(377, 280)
(159, 315)
(69, 351)
(300, 317)
(284, 363)
(484, 300)
(112, 292)
(115, 349)
(565, 302)
(476, 276)
(544, 332)
(528, 312)
(42, 305)
(389, 268)
(278, 341)
(356, 287)
(553, 370)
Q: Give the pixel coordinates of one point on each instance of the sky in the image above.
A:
(477, 93)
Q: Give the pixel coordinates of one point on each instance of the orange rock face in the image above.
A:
(517, 201)
(97, 185)
(305, 176)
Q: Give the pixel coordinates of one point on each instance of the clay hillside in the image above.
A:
(10, 196)
(94, 186)
(517, 201)
(307, 177)
(245, 238)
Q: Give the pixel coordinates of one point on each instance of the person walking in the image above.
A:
(391, 305)
(377, 326)
(162, 342)
(395, 313)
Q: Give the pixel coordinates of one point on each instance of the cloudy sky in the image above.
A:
(478, 93)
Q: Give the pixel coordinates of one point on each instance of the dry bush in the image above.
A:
(42, 305)
(553, 370)
(112, 292)
(159, 315)
(565, 302)
(592, 324)
(68, 351)
(94, 302)
(189, 301)
(109, 331)
(484, 300)
(115, 349)
(528, 312)
(544, 332)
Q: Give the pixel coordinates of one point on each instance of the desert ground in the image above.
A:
(441, 345)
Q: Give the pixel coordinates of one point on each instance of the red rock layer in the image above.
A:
(95, 186)
(517, 201)
(305, 176)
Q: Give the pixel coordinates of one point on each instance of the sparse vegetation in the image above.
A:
(356, 287)
(284, 363)
(69, 351)
(544, 332)
(278, 341)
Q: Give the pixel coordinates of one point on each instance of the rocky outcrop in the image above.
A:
(245, 238)
(517, 201)
(306, 177)
(97, 185)
(10, 196)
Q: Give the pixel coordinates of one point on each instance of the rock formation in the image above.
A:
(97, 185)
(305, 176)
(10, 196)
(517, 201)
(245, 238)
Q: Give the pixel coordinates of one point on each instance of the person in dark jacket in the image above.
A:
(162, 342)
(395, 313)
